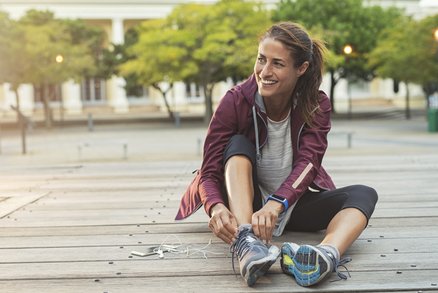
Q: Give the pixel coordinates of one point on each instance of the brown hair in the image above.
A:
(302, 48)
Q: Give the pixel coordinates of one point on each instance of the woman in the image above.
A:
(262, 172)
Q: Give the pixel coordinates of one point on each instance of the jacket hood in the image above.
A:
(248, 89)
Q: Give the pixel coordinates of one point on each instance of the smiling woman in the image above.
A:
(261, 172)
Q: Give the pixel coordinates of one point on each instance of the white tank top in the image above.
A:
(276, 164)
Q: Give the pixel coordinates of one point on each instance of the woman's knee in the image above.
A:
(363, 198)
(370, 193)
(238, 161)
(240, 146)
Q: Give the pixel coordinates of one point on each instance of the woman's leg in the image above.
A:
(344, 229)
(255, 258)
(344, 213)
(239, 184)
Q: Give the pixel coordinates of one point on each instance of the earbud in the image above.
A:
(160, 253)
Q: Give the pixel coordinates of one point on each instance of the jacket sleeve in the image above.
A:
(223, 126)
(310, 150)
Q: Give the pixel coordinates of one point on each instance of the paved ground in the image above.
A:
(164, 141)
(69, 220)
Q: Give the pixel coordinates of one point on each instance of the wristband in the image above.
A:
(279, 199)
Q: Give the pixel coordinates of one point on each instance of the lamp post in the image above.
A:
(59, 59)
(348, 50)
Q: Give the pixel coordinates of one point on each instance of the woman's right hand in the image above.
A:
(222, 223)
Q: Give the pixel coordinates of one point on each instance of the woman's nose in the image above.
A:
(266, 70)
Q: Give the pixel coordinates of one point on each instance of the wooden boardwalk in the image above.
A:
(72, 228)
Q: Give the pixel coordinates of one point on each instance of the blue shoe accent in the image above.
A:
(310, 265)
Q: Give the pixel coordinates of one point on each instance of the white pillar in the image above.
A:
(26, 93)
(117, 94)
(116, 91)
(71, 97)
(342, 96)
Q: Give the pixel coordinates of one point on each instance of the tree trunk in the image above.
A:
(333, 82)
(407, 106)
(46, 106)
(21, 120)
(17, 101)
(208, 92)
(166, 103)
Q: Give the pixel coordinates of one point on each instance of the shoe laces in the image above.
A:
(341, 263)
(240, 246)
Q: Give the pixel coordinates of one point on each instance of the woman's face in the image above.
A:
(275, 72)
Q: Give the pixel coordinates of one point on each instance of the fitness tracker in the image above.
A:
(279, 199)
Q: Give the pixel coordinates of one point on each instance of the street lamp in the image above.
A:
(435, 34)
(59, 58)
(348, 50)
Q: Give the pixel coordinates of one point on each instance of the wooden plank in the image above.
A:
(11, 204)
(121, 250)
(407, 281)
(362, 245)
(181, 227)
(171, 267)
(389, 228)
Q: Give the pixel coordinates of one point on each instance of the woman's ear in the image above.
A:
(303, 67)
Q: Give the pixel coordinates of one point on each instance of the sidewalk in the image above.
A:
(159, 139)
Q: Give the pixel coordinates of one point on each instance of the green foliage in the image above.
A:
(93, 39)
(408, 52)
(198, 43)
(44, 51)
(46, 38)
(159, 55)
(341, 22)
(13, 65)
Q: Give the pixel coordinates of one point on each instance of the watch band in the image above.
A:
(279, 199)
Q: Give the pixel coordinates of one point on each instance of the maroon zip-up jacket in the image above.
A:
(235, 115)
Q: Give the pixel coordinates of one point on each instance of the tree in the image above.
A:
(341, 22)
(203, 44)
(52, 54)
(161, 55)
(226, 45)
(427, 42)
(408, 53)
(93, 38)
(14, 67)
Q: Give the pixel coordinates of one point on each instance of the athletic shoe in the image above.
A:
(310, 265)
(288, 251)
(255, 258)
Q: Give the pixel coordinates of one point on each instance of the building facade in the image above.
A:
(117, 16)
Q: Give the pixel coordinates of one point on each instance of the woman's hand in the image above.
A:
(264, 220)
(222, 223)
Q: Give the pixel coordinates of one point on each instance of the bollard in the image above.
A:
(199, 146)
(90, 122)
(177, 119)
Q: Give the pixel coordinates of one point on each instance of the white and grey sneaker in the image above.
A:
(255, 257)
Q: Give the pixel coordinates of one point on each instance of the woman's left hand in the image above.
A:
(264, 220)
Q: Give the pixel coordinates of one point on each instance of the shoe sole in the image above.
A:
(306, 271)
(258, 268)
(287, 255)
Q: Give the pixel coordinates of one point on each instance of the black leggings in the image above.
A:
(314, 210)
